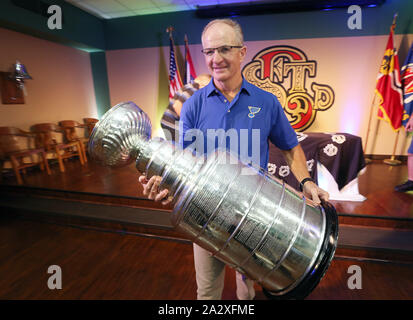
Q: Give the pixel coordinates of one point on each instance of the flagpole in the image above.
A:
(368, 160)
(393, 25)
(169, 30)
(186, 63)
(393, 161)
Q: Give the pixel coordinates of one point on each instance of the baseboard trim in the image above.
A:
(402, 158)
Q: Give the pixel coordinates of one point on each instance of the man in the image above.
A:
(229, 102)
(408, 185)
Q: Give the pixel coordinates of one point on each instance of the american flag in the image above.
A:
(175, 82)
(190, 73)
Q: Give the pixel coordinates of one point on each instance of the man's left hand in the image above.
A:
(315, 193)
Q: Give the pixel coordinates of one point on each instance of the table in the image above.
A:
(334, 161)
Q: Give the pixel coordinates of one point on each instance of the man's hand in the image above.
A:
(409, 124)
(315, 193)
(151, 190)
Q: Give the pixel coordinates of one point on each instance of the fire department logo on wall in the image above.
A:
(283, 71)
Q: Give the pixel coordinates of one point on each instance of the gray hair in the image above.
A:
(232, 23)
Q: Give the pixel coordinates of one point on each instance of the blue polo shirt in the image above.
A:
(244, 126)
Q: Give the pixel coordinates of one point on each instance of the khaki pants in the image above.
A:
(210, 274)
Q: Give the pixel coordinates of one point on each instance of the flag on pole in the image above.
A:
(175, 82)
(388, 86)
(190, 73)
(407, 85)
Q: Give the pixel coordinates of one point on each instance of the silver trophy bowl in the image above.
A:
(245, 217)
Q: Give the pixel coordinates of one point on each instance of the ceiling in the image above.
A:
(108, 9)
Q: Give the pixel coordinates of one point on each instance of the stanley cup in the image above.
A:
(243, 216)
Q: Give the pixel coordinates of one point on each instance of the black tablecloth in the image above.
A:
(341, 153)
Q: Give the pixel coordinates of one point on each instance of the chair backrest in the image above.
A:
(13, 139)
(46, 135)
(69, 127)
(90, 123)
(45, 127)
(11, 131)
(69, 123)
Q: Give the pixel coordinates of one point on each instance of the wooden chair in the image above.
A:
(15, 146)
(90, 123)
(69, 128)
(46, 137)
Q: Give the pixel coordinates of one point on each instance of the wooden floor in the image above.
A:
(97, 265)
(104, 263)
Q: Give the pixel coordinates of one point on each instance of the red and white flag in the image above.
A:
(175, 82)
(388, 86)
(190, 73)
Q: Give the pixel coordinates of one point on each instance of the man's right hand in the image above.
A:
(151, 190)
(409, 124)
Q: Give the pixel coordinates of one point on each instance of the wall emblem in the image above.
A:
(283, 71)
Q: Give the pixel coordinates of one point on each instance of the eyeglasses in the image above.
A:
(223, 50)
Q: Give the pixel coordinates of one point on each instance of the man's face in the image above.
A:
(225, 65)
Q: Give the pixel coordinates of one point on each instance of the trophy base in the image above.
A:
(320, 266)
